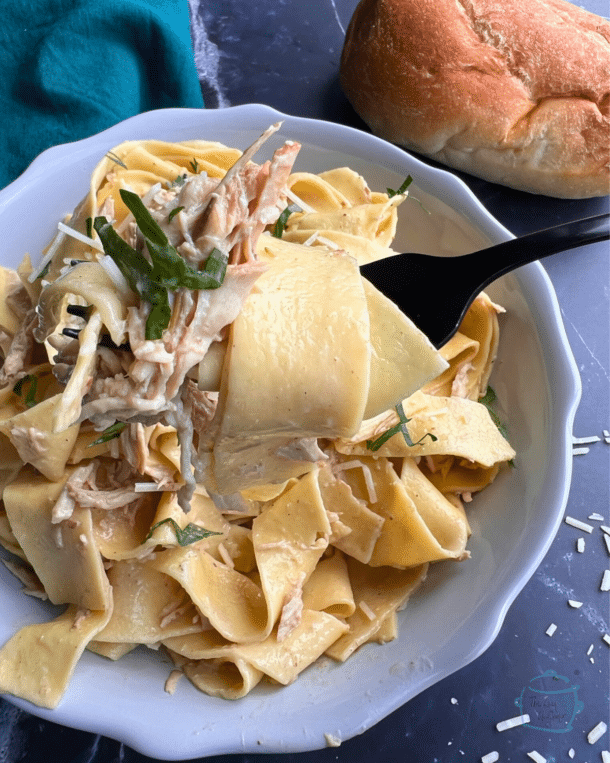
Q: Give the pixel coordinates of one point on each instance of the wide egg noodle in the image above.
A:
(402, 357)
(328, 588)
(379, 593)
(231, 601)
(292, 382)
(289, 538)
(225, 670)
(470, 353)
(148, 606)
(9, 282)
(38, 662)
(462, 428)
(361, 249)
(374, 222)
(419, 526)
(109, 650)
(31, 433)
(63, 555)
(355, 528)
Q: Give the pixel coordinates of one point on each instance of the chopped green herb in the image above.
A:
(114, 430)
(89, 227)
(116, 159)
(194, 165)
(280, 224)
(180, 180)
(167, 269)
(391, 192)
(400, 427)
(488, 399)
(44, 271)
(190, 534)
(30, 395)
(174, 212)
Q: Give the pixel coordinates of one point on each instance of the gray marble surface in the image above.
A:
(285, 54)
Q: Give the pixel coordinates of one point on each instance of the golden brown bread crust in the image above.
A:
(513, 91)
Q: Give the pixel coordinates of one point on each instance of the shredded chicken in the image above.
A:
(292, 610)
(20, 351)
(147, 381)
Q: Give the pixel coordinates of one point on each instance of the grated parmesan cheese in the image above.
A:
(605, 584)
(491, 757)
(605, 756)
(571, 752)
(226, 557)
(454, 701)
(536, 756)
(551, 629)
(368, 612)
(97, 245)
(597, 517)
(605, 529)
(580, 545)
(332, 740)
(575, 604)
(172, 681)
(327, 242)
(607, 542)
(511, 723)
(580, 451)
(590, 649)
(54, 246)
(366, 473)
(597, 732)
(299, 202)
(585, 440)
(606, 638)
(580, 525)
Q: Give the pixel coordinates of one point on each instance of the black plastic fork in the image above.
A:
(435, 292)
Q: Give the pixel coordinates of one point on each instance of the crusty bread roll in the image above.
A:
(513, 91)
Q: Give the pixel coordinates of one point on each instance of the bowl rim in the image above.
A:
(532, 279)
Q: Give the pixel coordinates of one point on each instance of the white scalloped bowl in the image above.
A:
(458, 612)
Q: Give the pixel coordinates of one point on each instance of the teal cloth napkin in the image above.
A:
(70, 68)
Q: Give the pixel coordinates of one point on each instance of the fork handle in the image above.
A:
(534, 246)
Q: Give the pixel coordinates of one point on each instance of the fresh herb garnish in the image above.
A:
(174, 212)
(116, 159)
(400, 427)
(280, 224)
(89, 227)
(114, 430)
(194, 165)
(190, 534)
(488, 399)
(391, 192)
(179, 181)
(30, 395)
(167, 269)
(44, 271)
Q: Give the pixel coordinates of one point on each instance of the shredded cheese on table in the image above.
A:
(597, 732)
(511, 723)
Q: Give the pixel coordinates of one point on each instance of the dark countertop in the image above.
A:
(286, 55)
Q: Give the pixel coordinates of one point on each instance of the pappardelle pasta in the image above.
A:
(218, 438)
